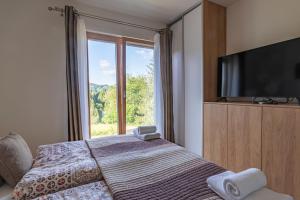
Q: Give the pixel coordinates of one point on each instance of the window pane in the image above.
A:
(103, 88)
(139, 87)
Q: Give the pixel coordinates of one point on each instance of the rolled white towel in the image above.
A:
(148, 136)
(238, 186)
(146, 129)
(216, 184)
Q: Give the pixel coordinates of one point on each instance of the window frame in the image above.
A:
(120, 43)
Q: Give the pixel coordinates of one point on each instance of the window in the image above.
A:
(139, 86)
(121, 84)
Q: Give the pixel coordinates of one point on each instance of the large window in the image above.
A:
(121, 84)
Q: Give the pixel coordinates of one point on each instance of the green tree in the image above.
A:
(110, 108)
(139, 102)
(97, 102)
(139, 98)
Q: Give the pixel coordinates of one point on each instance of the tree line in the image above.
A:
(139, 100)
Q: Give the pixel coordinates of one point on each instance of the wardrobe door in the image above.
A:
(193, 65)
(244, 137)
(215, 133)
(281, 149)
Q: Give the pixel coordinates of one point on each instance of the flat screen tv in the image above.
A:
(270, 71)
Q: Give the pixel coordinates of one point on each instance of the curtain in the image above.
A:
(231, 77)
(83, 77)
(159, 115)
(167, 85)
(74, 112)
(178, 83)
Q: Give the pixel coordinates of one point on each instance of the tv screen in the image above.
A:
(270, 71)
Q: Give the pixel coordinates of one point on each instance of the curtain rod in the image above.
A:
(61, 10)
(184, 13)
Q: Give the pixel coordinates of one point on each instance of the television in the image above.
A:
(269, 71)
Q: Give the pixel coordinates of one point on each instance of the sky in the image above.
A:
(102, 61)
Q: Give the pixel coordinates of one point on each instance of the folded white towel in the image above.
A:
(148, 136)
(146, 129)
(216, 184)
(239, 185)
(135, 132)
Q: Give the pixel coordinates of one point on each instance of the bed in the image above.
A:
(118, 167)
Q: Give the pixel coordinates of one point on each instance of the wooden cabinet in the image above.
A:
(244, 137)
(240, 136)
(281, 149)
(215, 143)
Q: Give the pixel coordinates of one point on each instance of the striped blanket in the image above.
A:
(156, 170)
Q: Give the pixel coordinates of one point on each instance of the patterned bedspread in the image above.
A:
(156, 170)
(92, 191)
(58, 167)
(65, 152)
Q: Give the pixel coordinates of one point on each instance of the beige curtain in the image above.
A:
(74, 115)
(166, 78)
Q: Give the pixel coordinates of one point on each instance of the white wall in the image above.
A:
(193, 65)
(33, 99)
(32, 72)
(255, 23)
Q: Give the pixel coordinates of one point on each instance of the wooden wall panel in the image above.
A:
(244, 137)
(215, 133)
(214, 41)
(281, 149)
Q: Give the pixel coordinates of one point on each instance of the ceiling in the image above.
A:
(163, 11)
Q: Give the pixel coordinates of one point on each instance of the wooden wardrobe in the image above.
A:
(202, 36)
